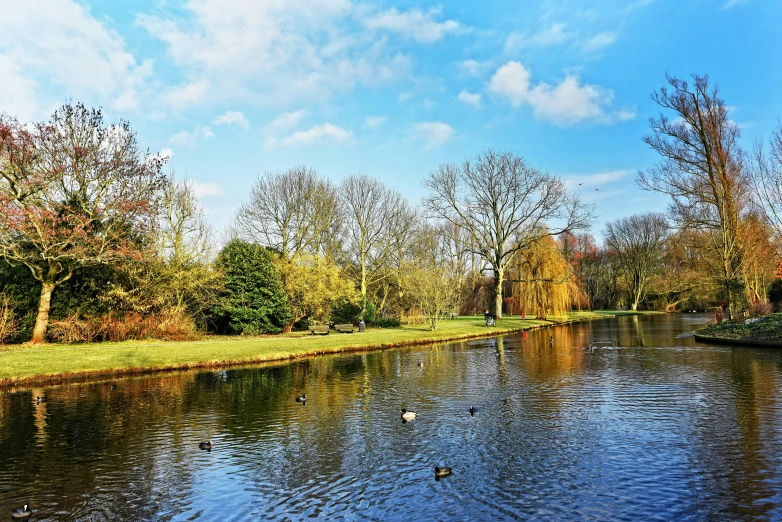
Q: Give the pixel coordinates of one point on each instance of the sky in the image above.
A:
(231, 89)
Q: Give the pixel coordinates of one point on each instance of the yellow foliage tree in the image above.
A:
(544, 284)
(313, 285)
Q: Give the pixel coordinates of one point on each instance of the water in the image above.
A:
(646, 426)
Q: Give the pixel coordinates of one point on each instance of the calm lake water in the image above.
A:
(647, 426)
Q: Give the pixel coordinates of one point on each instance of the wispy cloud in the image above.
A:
(373, 122)
(416, 24)
(470, 98)
(592, 181)
(190, 138)
(599, 41)
(431, 133)
(232, 118)
(732, 3)
(325, 133)
(206, 189)
(555, 34)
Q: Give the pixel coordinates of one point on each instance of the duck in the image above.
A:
(206, 445)
(421, 364)
(113, 386)
(303, 398)
(441, 472)
(22, 512)
(408, 415)
(39, 400)
(472, 410)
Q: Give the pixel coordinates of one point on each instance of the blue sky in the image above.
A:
(231, 89)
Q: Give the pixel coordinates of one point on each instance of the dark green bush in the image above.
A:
(254, 300)
(345, 311)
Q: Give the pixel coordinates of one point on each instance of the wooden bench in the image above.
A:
(322, 329)
(345, 328)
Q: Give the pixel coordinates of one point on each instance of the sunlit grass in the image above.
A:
(24, 362)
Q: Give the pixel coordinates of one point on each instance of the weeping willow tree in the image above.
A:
(544, 284)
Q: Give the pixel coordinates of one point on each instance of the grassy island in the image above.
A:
(765, 331)
(57, 362)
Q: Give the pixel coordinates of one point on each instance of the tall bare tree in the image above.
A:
(292, 211)
(74, 193)
(638, 241)
(702, 170)
(504, 205)
(766, 175)
(373, 216)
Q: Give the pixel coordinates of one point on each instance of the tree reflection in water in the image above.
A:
(646, 425)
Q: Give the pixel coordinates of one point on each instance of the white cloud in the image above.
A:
(471, 67)
(431, 133)
(286, 121)
(318, 134)
(415, 24)
(165, 154)
(277, 51)
(567, 103)
(593, 181)
(190, 138)
(232, 118)
(206, 189)
(550, 36)
(373, 122)
(58, 42)
(469, 98)
(599, 41)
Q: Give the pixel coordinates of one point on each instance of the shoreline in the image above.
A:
(59, 378)
(728, 340)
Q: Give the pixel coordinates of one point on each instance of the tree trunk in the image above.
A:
(499, 278)
(42, 320)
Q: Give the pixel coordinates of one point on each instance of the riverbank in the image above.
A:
(767, 331)
(28, 364)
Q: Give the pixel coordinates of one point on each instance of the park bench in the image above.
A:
(322, 329)
(345, 328)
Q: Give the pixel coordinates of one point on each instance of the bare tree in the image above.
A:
(638, 243)
(504, 205)
(766, 175)
(372, 212)
(74, 193)
(292, 211)
(702, 170)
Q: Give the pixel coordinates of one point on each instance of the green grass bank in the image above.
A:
(20, 364)
(765, 332)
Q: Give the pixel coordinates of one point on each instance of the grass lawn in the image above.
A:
(768, 328)
(21, 363)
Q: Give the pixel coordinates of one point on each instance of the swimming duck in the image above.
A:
(39, 400)
(408, 415)
(303, 398)
(421, 364)
(206, 445)
(22, 512)
(472, 410)
(441, 472)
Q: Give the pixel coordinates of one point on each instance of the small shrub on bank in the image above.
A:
(167, 326)
(760, 309)
(386, 323)
(74, 329)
